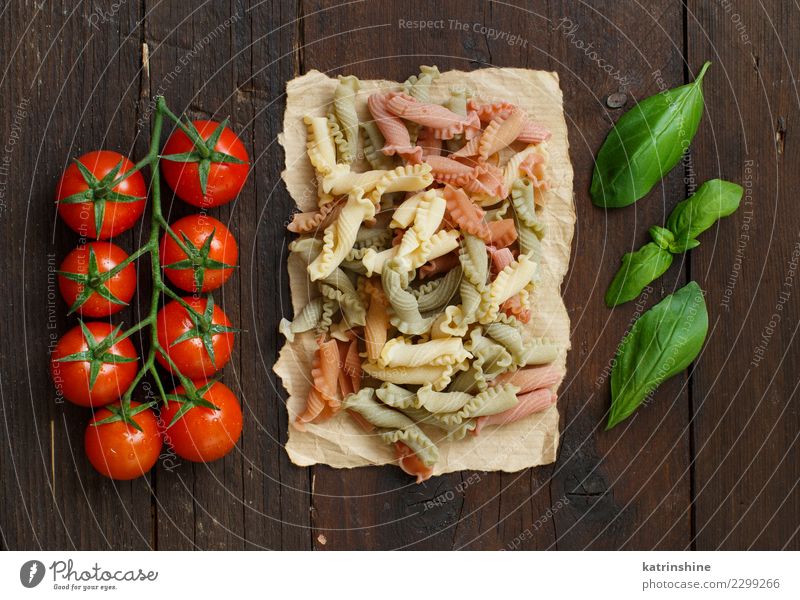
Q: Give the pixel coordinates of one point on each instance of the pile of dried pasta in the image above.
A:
(425, 266)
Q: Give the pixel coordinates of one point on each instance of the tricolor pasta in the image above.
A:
(424, 265)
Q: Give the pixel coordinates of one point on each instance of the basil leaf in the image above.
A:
(661, 343)
(646, 143)
(638, 269)
(712, 201)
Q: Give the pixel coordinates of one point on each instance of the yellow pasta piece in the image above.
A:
(340, 235)
(341, 180)
(439, 244)
(320, 146)
(509, 282)
(401, 352)
(438, 376)
(411, 178)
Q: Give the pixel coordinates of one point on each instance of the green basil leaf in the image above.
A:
(662, 237)
(646, 143)
(638, 269)
(661, 343)
(712, 201)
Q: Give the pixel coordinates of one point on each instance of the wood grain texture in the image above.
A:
(744, 391)
(706, 464)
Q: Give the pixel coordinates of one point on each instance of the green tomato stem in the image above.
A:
(157, 222)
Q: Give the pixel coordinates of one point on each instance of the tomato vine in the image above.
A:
(214, 165)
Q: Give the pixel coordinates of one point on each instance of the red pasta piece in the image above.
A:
(488, 111)
(514, 307)
(316, 220)
(431, 145)
(534, 168)
(393, 129)
(503, 233)
(411, 464)
(323, 399)
(532, 133)
(532, 402)
(531, 378)
(447, 170)
(441, 264)
(445, 123)
(465, 213)
(501, 258)
(500, 133)
(488, 179)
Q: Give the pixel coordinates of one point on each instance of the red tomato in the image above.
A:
(225, 179)
(203, 433)
(72, 359)
(205, 257)
(82, 197)
(83, 286)
(119, 450)
(187, 339)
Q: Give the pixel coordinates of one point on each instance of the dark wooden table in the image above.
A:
(711, 462)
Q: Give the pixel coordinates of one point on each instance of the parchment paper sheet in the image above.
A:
(340, 442)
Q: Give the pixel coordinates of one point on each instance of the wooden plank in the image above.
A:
(77, 95)
(192, 63)
(276, 493)
(745, 390)
(627, 488)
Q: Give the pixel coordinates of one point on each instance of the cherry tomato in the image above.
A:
(210, 244)
(81, 348)
(226, 162)
(187, 338)
(84, 286)
(84, 196)
(202, 433)
(118, 449)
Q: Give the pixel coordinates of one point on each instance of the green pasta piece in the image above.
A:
(438, 293)
(499, 213)
(522, 198)
(396, 396)
(510, 338)
(344, 107)
(337, 286)
(457, 103)
(307, 247)
(342, 147)
(307, 320)
(372, 143)
(393, 425)
(419, 86)
(407, 317)
(475, 267)
(489, 402)
(453, 432)
(329, 309)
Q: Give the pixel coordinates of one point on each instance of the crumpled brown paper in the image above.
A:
(340, 442)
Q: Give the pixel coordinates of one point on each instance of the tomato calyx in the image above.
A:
(196, 259)
(93, 282)
(192, 398)
(203, 327)
(97, 353)
(203, 153)
(124, 412)
(99, 192)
